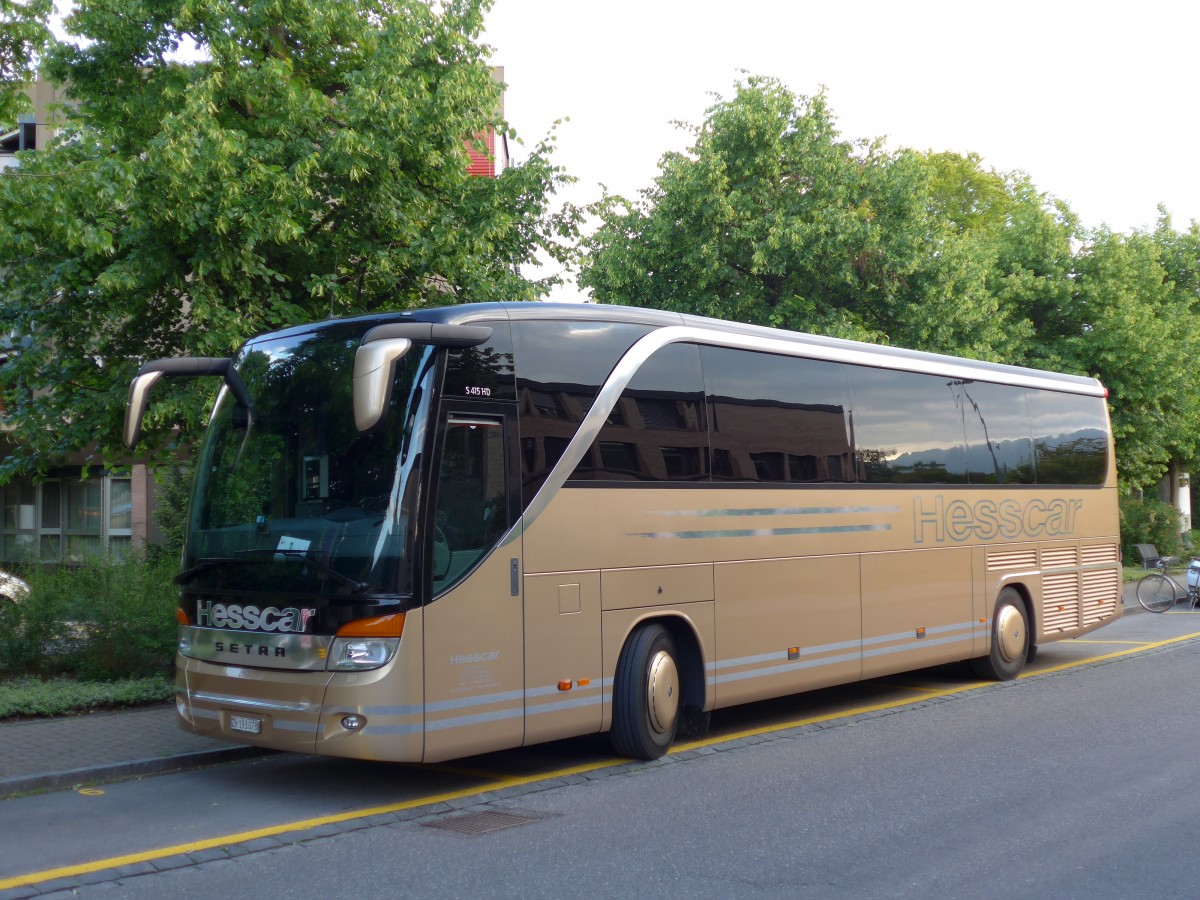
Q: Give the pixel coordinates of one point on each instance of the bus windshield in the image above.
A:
(288, 493)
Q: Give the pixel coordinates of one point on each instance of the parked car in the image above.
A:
(12, 588)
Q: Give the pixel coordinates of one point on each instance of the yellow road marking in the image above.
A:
(114, 862)
(1116, 654)
(466, 773)
(916, 688)
(1131, 643)
(827, 717)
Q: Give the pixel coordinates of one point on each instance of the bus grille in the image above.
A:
(1012, 559)
(1099, 553)
(1101, 590)
(1059, 558)
(1060, 602)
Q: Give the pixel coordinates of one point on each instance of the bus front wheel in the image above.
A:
(646, 695)
(1010, 639)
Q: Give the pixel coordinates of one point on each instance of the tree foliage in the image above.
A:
(1137, 333)
(23, 36)
(773, 218)
(311, 163)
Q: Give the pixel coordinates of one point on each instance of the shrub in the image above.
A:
(171, 513)
(28, 698)
(101, 621)
(1149, 522)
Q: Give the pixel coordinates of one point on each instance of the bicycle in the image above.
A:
(1159, 591)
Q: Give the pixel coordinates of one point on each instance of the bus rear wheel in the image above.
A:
(646, 695)
(1010, 639)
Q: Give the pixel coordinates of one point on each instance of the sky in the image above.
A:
(1098, 101)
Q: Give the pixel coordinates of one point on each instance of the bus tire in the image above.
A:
(646, 695)
(1010, 639)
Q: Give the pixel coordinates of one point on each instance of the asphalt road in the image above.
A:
(1077, 780)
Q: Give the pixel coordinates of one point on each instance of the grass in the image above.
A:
(1132, 573)
(29, 698)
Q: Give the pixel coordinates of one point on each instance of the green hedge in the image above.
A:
(33, 698)
(1149, 522)
(103, 621)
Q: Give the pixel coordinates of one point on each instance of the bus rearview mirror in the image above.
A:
(186, 367)
(374, 372)
(135, 407)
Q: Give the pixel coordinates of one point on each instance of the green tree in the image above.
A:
(773, 218)
(1180, 257)
(23, 36)
(1136, 332)
(312, 163)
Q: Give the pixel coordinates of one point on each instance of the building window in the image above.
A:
(50, 540)
(65, 519)
(120, 516)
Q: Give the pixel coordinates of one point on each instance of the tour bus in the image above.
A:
(423, 535)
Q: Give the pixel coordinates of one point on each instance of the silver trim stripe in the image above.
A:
(496, 715)
(583, 696)
(902, 642)
(786, 666)
(246, 703)
(759, 532)
(766, 512)
(781, 511)
(598, 692)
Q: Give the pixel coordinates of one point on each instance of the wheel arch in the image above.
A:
(1025, 592)
(689, 652)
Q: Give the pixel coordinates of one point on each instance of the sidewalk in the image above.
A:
(52, 754)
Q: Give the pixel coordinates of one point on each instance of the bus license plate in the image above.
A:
(245, 724)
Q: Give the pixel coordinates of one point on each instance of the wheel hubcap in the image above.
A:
(663, 690)
(1010, 633)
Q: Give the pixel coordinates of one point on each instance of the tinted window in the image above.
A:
(1070, 438)
(560, 368)
(776, 418)
(999, 448)
(472, 494)
(484, 372)
(656, 431)
(907, 428)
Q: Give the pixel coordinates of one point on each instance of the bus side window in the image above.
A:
(657, 430)
(777, 419)
(471, 513)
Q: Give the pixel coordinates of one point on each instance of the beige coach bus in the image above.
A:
(426, 535)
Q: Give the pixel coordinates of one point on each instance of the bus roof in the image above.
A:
(887, 356)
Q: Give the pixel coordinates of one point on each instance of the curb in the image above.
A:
(180, 762)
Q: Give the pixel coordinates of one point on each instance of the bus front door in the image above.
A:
(473, 630)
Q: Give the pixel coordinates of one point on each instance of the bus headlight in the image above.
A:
(366, 643)
(362, 653)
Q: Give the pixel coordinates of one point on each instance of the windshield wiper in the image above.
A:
(356, 586)
(203, 566)
(266, 556)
